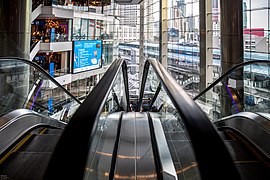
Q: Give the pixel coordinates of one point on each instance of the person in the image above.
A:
(57, 36)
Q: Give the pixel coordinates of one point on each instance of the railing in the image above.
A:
(245, 87)
(208, 148)
(26, 85)
(78, 144)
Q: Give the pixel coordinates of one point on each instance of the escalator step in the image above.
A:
(54, 131)
(41, 143)
(37, 131)
(25, 166)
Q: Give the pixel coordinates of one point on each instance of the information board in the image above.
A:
(87, 55)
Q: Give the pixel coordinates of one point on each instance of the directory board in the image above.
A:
(87, 55)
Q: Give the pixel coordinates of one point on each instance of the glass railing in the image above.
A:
(27, 86)
(192, 139)
(245, 87)
(91, 133)
(175, 131)
(101, 152)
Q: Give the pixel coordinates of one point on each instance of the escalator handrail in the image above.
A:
(46, 74)
(229, 72)
(71, 153)
(209, 149)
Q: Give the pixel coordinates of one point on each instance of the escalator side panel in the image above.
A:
(135, 154)
(99, 161)
(254, 127)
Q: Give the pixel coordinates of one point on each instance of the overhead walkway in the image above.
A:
(168, 137)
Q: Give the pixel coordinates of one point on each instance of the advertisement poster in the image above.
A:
(87, 55)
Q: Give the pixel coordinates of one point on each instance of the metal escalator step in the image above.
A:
(54, 131)
(25, 166)
(37, 131)
(41, 143)
(239, 151)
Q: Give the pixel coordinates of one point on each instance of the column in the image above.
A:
(206, 50)
(141, 48)
(15, 24)
(232, 52)
(163, 44)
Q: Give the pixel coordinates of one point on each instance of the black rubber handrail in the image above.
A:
(71, 153)
(46, 74)
(214, 160)
(229, 72)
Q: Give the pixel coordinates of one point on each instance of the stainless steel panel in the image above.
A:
(135, 158)
(164, 152)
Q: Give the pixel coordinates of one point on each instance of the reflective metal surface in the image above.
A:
(253, 126)
(164, 152)
(100, 158)
(135, 155)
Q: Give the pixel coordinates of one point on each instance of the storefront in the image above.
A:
(51, 30)
(56, 63)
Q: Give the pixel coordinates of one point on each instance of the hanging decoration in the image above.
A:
(52, 24)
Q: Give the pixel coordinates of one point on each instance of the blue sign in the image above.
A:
(87, 55)
(51, 69)
(50, 105)
(52, 34)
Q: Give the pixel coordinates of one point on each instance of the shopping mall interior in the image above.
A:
(134, 89)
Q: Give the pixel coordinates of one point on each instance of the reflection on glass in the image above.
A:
(100, 154)
(245, 89)
(25, 87)
(175, 131)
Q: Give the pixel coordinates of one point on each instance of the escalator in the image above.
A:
(168, 137)
(34, 111)
(175, 143)
(32, 139)
(238, 105)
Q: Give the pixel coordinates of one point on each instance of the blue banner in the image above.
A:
(51, 69)
(52, 34)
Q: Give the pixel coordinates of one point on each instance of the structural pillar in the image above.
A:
(163, 44)
(15, 28)
(232, 50)
(206, 43)
(231, 17)
(141, 48)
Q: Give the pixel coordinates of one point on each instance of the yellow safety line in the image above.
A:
(19, 145)
(43, 131)
(16, 148)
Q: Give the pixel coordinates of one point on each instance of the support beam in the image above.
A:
(163, 55)
(141, 53)
(206, 52)
(232, 52)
